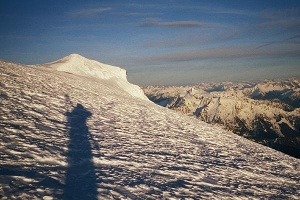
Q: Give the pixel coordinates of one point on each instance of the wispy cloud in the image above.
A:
(293, 37)
(189, 40)
(90, 11)
(135, 14)
(154, 22)
(224, 11)
(281, 13)
(285, 19)
(279, 41)
(193, 39)
(222, 53)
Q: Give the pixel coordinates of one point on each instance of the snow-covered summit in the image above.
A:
(79, 65)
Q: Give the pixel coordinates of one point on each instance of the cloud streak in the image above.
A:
(189, 40)
(221, 53)
(193, 39)
(153, 22)
(284, 20)
(279, 41)
(91, 11)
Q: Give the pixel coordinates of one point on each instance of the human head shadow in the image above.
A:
(80, 182)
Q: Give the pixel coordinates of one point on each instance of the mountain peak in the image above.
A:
(75, 56)
(72, 58)
(79, 65)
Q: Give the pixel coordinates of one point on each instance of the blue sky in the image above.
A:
(159, 42)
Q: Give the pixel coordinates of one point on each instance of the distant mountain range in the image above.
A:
(267, 112)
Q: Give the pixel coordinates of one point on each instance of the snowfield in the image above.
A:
(80, 136)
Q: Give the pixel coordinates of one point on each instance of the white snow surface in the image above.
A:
(67, 136)
(77, 64)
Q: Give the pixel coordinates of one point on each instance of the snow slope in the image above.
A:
(77, 64)
(65, 136)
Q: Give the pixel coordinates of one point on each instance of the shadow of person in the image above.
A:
(80, 174)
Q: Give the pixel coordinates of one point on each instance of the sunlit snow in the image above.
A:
(65, 135)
